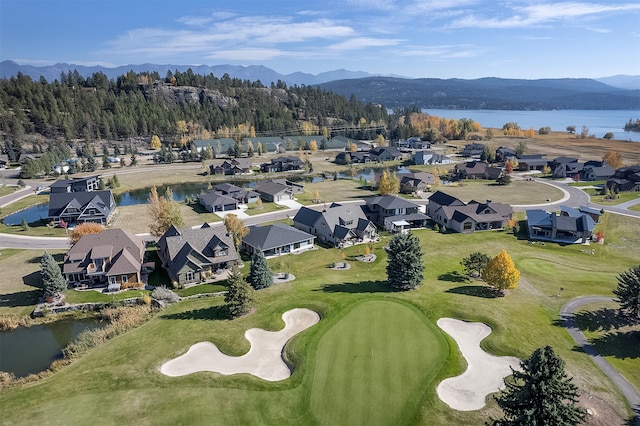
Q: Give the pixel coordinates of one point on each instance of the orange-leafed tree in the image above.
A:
(501, 272)
(236, 227)
(84, 229)
(613, 159)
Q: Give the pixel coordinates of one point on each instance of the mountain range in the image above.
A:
(615, 92)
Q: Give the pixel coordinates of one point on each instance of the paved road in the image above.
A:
(569, 322)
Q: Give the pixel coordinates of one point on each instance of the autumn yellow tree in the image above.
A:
(381, 141)
(613, 159)
(236, 227)
(155, 142)
(501, 272)
(84, 229)
(164, 212)
(389, 183)
(313, 146)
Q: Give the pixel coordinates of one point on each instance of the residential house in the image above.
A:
(429, 157)
(4, 161)
(112, 258)
(78, 207)
(504, 153)
(282, 164)
(84, 184)
(472, 150)
(244, 196)
(234, 166)
(213, 201)
(595, 172)
(340, 225)
(348, 157)
(275, 190)
(625, 179)
(565, 167)
(595, 214)
(451, 213)
(416, 183)
(387, 153)
(413, 143)
(190, 254)
(276, 239)
(394, 214)
(477, 170)
(532, 162)
(568, 227)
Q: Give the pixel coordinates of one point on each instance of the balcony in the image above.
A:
(94, 270)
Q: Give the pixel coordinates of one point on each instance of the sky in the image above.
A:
(413, 38)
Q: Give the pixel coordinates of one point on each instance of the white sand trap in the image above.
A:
(264, 359)
(485, 373)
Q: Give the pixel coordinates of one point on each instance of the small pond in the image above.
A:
(28, 350)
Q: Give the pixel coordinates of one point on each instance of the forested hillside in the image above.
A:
(144, 104)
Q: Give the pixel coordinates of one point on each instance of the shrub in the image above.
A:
(164, 294)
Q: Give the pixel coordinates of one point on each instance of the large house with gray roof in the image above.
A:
(78, 207)
(189, 254)
(570, 226)
(112, 258)
(394, 214)
(451, 213)
(276, 239)
(339, 225)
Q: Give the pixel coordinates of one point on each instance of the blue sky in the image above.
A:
(428, 38)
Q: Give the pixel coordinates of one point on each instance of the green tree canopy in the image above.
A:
(52, 280)
(628, 292)
(475, 263)
(540, 394)
(239, 297)
(404, 262)
(260, 276)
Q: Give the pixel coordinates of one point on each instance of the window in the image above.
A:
(124, 279)
(468, 226)
(112, 280)
(189, 276)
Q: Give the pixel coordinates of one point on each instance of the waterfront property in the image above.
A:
(275, 190)
(276, 239)
(111, 258)
(78, 207)
(189, 254)
(213, 201)
(84, 184)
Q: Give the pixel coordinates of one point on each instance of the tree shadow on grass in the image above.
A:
(360, 287)
(603, 319)
(23, 298)
(620, 345)
(454, 277)
(210, 313)
(33, 279)
(477, 291)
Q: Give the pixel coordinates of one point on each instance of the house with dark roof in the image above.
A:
(413, 143)
(276, 239)
(78, 207)
(234, 166)
(451, 213)
(570, 226)
(275, 190)
(112, 258)
(349, 157)
(189, 255)
(595, 172)
(244, 196)
(429, 157)
(565, 167)
(416, 183)
(340, 225)
(282, 164)
(83, 184)
(504, 153)
(386, 153)
(532, 162)
(625, 179)
(473, 150)
(394, 214)
(213, 201)
(477, 170)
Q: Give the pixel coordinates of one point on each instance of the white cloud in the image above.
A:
(362, 43)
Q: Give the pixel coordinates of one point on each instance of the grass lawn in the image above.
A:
(6, 190)
(518, 192)
(623, 197)
(635, 207)
(333, 378)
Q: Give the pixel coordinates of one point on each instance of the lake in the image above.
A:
(28, 350)
(599, 122)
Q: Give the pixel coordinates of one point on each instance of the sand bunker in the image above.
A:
(264, 359)
(485, 373)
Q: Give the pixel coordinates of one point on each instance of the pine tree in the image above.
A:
(52, 280)
(239, 297)
(404, 263)
(260, 276)
(540, 394)
(628, 292)
(501, 272)
(475, 263)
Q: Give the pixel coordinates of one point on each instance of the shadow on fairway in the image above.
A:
(361, 287)
(603, 319)
(621, 345)
(23, 298)
(211, 313)
(454, 277)
(476, 291)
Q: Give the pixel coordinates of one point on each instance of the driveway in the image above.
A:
(569, 322)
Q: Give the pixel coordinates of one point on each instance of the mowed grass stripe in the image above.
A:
(375, 364)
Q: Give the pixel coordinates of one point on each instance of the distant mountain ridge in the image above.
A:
(615, 92)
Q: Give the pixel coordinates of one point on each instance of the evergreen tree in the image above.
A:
(628, 292)
(239, 297)
(260, 276)
(540, 394)
(475, 263)
(52, 280)
(404, 263)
